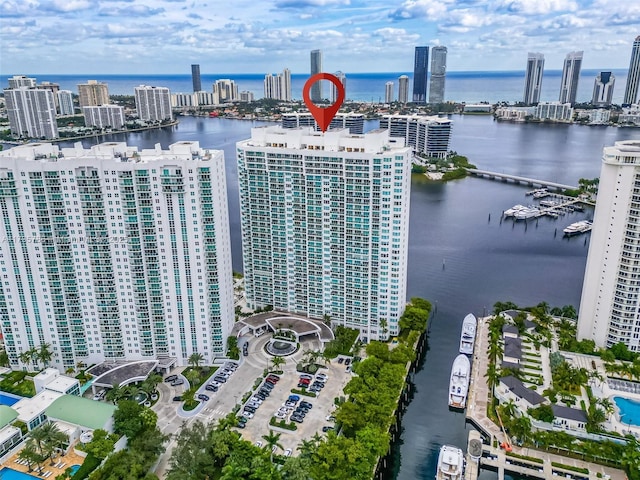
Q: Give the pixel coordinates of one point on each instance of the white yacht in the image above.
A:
(578, 227)
(450, 463)
(513, 210)
(468, 334)
(526, 213)
(459, 383)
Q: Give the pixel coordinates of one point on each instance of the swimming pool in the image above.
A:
(75, 468)
(9, 474)
(629, 410)
(8, 398)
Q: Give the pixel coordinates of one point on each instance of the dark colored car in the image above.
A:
(295, 418)
(267, 385)
(177, 382)
(318, 384)
(347, 361)
(326, 428)
(250, 409)
(240, 425)
(261, 396)
(265, 392)
(171, 378)
(211, 388)
(340, 360)
(304, 403)
(302, 385)
(220, 379)
(270, 381)
(273, 376)
(177, 398)
(203, 397)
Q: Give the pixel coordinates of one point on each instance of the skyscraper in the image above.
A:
(278, 86)
(324, 229)
(388, 92)
(93, 93)
(570, 77)
(65, 102)
(633, 77)
(195, 78)
(153, 103)
(334, 91)
(18, 81)
(104, 116)
(226, 90)
(533, 78)
(316, 67)
(430, 135)
(133, 262)
(31, 112)
(438, 73)
(610, 304)
(403, 89)
(420, 70)
(603, 89)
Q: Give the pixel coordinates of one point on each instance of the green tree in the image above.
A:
(272, 440)
(127, 419)
(101, 445)
(195, 359)
(544, 413)
(31, 454)
(277, 362)
(4, 359)
(414, 318)
(45, 354)
(115, 394)
(521, 428)
(150, 383)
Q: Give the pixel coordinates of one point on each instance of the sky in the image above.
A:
(259, 36)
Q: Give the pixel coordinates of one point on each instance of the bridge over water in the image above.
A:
(505, 177)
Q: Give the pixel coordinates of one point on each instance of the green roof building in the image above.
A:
(82, 412)
(7, 415)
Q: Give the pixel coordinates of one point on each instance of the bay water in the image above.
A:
(462, 257)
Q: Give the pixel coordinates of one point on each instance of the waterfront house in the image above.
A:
(569, 418)
(512, 351)
(510, 388)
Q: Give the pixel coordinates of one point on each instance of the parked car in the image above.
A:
(257, 400)
(280, 415)
(220, 379)
(340, 360)
(300, 413)
(306, 375)
(203, 397)
(270, 381)
(250, 409)
(242, 420)
(314, 389)
(177, 382)
(288, 452)
(348, 369)
(273, 376)
(294, 398)
(330, 418)
(231, 365)
(296, 419)
(302, 385)
(326, 428)
(347, 361)
(247, 414)
(260, 396)
(258, 444)
(318, 384)
(304, 403)
(267, 385)
(211, 388)
(241, 425)
(290, 403)
(265, 392)
(171, 378)
(304, 380)
(177, 398)
(245, 352)
(321, 377)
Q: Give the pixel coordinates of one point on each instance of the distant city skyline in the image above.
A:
(253, 37)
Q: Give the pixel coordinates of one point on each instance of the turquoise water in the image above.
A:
(75, 468)
(629, 411)
(9, 474)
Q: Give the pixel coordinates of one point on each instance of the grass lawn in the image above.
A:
(15, 382)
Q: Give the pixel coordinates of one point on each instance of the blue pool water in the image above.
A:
(75, 468)
(629, 410)
(8, 398)
(9, 474)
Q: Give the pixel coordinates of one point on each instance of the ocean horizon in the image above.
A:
(461, 86)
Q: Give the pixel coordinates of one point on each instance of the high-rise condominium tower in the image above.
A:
(633, 77)
(93, 93)
(388, 92)
(65, 102)
(533, 78)
(420, 70)
(113, 253)
(278, 86)
(325, 222)
(403, 89)
(195, 78)
(610, 304)
(334, 91)
(31, 112)
(153, 103)
(316, 67)
(226, 90)
(438, 73)
(603, 89)
(18, 81)
(570, 77)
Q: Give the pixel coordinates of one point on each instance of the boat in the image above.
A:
(526, 213)
(577, 228)
(468, 334)
(459, 383)
(450, 463)
(548, 203)
(513, 210)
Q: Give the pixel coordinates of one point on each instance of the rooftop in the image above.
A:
(61, 384)
(109, 374)
(29, 408)
(81, 411)
(7, 415)
(519, 389)
(513, 347)
(569, 413)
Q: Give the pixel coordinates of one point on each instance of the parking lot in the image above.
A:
(315, 418)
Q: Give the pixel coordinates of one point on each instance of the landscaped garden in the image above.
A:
(16, 383)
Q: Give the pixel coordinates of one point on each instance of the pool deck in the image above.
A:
(67, 461)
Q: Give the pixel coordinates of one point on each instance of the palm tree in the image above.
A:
(45, 354)
(383, 326)
(307, 448)
(508, 409)
(39, 437)
(34, 354)
(234, 471)
(4, 359)
(521, 428)
(115, 393)
(25, 357)
(607, 405)
(53, 439)
(229, 421)
(150, 384)
(70, 371)
(272, 440)
(493, 376)
(30, 454)
(277, 361)
(195, 359)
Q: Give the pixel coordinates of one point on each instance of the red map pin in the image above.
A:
(323, 116)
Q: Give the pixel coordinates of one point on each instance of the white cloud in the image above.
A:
(539, 7)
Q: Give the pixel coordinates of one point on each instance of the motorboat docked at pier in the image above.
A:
(450, 463)
(577, 228)
(526, 213)
(459, 382)
(468, 334)
(513, 210)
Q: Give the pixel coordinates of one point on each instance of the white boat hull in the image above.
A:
(450, 463)
(459, 382)
(468, 334)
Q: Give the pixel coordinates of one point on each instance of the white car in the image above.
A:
(322, 377)
(285, 410)
(280, 415)
(256, 400)
(288, 452)
(247, 414)
(330, 418)
(258, 444)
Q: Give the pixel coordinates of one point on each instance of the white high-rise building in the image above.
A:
(603, 89)
(226, 90)
(570, 77)
(403, 89)
(610, 303)
(334, 91)
(112, 253)
(351, 120)
(18, 81)
(388, 92)
(278, 87)
(533, 78)
(65, 102)
(438, 74)
(556, 111)
(153, 104)
(633, 76)
(325, 221)
(430, 135)
(31, 112)
(104, 116)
